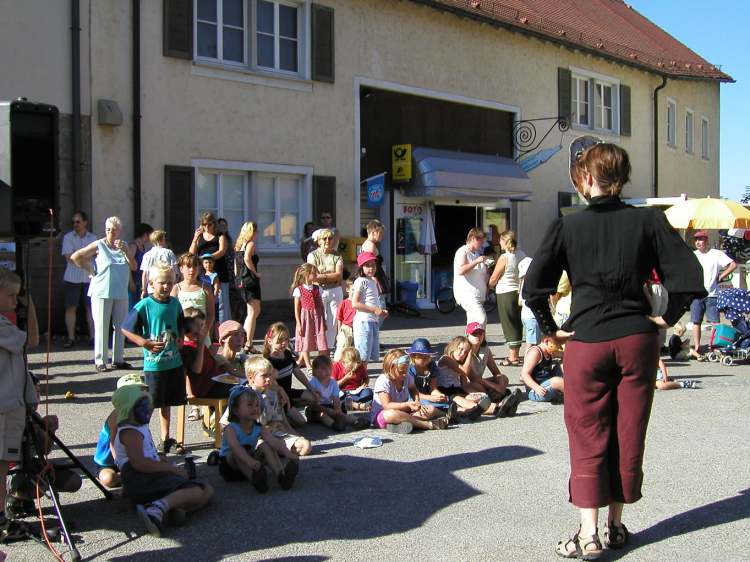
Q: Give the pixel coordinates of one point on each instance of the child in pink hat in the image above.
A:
(366, 301)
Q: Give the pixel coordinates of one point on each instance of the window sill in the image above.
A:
(594, 131)
(236, 74)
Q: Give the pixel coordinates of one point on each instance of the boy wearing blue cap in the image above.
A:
(424, 372)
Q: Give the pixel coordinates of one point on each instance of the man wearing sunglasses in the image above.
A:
(75, 279)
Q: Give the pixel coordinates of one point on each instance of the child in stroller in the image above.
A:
(730, 344)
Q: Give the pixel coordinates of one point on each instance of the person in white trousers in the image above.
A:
(330, 273)
(470, 276)
(109, 262)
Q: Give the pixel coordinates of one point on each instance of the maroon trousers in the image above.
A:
(609, 388)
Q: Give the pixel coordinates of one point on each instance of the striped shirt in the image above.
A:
(71, 243)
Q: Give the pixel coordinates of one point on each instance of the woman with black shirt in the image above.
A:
(207, 240)
(608, 251)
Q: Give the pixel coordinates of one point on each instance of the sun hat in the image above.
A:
(131, 379)
(125, 398)
(206, 256)
(700, 234)
(227, 327)
(364, 257)
(473, 327)
(420, 346)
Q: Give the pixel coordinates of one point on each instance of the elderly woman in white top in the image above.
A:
(108, 290)
(330, 272)
(506, 282)
(470, 277)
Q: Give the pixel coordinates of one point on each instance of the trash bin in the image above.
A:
(408, 291)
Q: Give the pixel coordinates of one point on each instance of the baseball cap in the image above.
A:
(700, 234)
(206, 256)
(131, 379)
(364, 257)
(473, 327)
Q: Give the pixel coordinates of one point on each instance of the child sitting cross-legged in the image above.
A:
(423, 371)
(261, 378)
(351, 375)
(451, 379)
(393, 407)
(243, 455)
(328, 411)
(541, 374)
(155, 485)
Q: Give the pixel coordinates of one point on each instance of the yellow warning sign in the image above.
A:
(401, 158)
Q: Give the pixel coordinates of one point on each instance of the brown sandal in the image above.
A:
(616, 536)
(575, 547)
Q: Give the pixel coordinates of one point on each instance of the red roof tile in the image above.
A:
(608, 27)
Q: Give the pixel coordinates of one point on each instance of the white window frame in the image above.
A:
(705, 138)
(277, 245)
(595, 78)
(600, 109)
(219, 199)
(578, 85)
(250, 171)
(220, 35)
(277, 36)
(671, 123)
(689, 131)
(249, 68)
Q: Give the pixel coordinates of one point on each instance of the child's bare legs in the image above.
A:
(243, 463)
(304, 360)
(271, 458)
(464, 405)
(253, 311)
(557, 383)
(164, 414)
(296, 419)
(189, 499)
(668, 385)
(302, 447)
(428, 413)
(109, 478)
(397, 416)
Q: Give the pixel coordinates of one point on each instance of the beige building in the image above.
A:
(275, 110)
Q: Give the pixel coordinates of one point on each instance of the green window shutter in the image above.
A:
(564, 93)
(323, 43)
(323, 197)
(178, 29)
(179, 206)
(625, 110)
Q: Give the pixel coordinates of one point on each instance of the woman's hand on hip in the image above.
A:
(659, 321)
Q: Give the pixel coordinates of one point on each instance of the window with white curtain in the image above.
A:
(704, 138)
(603, 106)
(277, 199)
(580, 101)
(225, 195)
(595, 101)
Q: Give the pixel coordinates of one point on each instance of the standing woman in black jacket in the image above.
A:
(608, 251)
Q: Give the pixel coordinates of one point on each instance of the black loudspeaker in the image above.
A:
(29, 176)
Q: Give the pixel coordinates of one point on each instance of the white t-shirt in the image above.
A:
(384, 384)
(297, 294)
(473, 284)
(155, 255)
(369, 295)
(712, 262)
(327, 393)
(509, 281)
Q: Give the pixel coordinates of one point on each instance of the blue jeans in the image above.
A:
(225, 310)
(367, 339)
(551, 394)
(364, 395)
(533, 336)
(706, 306)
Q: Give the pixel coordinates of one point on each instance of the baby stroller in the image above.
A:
(730, 344)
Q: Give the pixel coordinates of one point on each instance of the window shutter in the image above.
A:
(564, 78)
(178, 29)
(179, 206)
(322, 43)
(324, 196)
(625, 110)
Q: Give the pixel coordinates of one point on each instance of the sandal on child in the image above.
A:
(508, 363)
(616, 536)
(195, 414)
(172, 444)
(583, 548)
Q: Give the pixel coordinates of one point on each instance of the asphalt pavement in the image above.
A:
(495, 489)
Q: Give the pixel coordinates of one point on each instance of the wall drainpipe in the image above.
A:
(136, 113)
(656, 134)
(75, 54)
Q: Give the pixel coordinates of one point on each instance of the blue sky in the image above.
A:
(719, 32)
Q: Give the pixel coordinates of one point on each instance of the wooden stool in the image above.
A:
(219, 404)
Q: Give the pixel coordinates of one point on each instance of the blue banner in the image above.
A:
(375, 190)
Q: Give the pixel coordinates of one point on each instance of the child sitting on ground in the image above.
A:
(679, 349)
(109, 475)
(241, 456)
(345, 319)
(155, 485)
(276, 350)
(480, 358)
(393, 407)
(351, 375)
(542, 375)
(423, 372)
(260, 376)
(329, 412)
(663, 382)
(450, 380)
(154, 324)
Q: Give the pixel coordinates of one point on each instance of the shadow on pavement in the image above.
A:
(317, 509)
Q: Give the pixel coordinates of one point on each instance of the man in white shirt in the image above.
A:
(470, 276)
(76, 280)
(717, 266)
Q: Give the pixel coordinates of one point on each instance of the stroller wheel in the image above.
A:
(727, 361)
(713, 357)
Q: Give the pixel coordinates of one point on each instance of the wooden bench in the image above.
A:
(219, 404)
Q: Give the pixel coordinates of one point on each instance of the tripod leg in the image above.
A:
(50, 493)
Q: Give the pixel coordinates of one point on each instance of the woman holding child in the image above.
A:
(612, 349)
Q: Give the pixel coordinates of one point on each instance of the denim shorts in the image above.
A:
(533, 336)
(367, 339)
(551, 395)
(706, 306)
